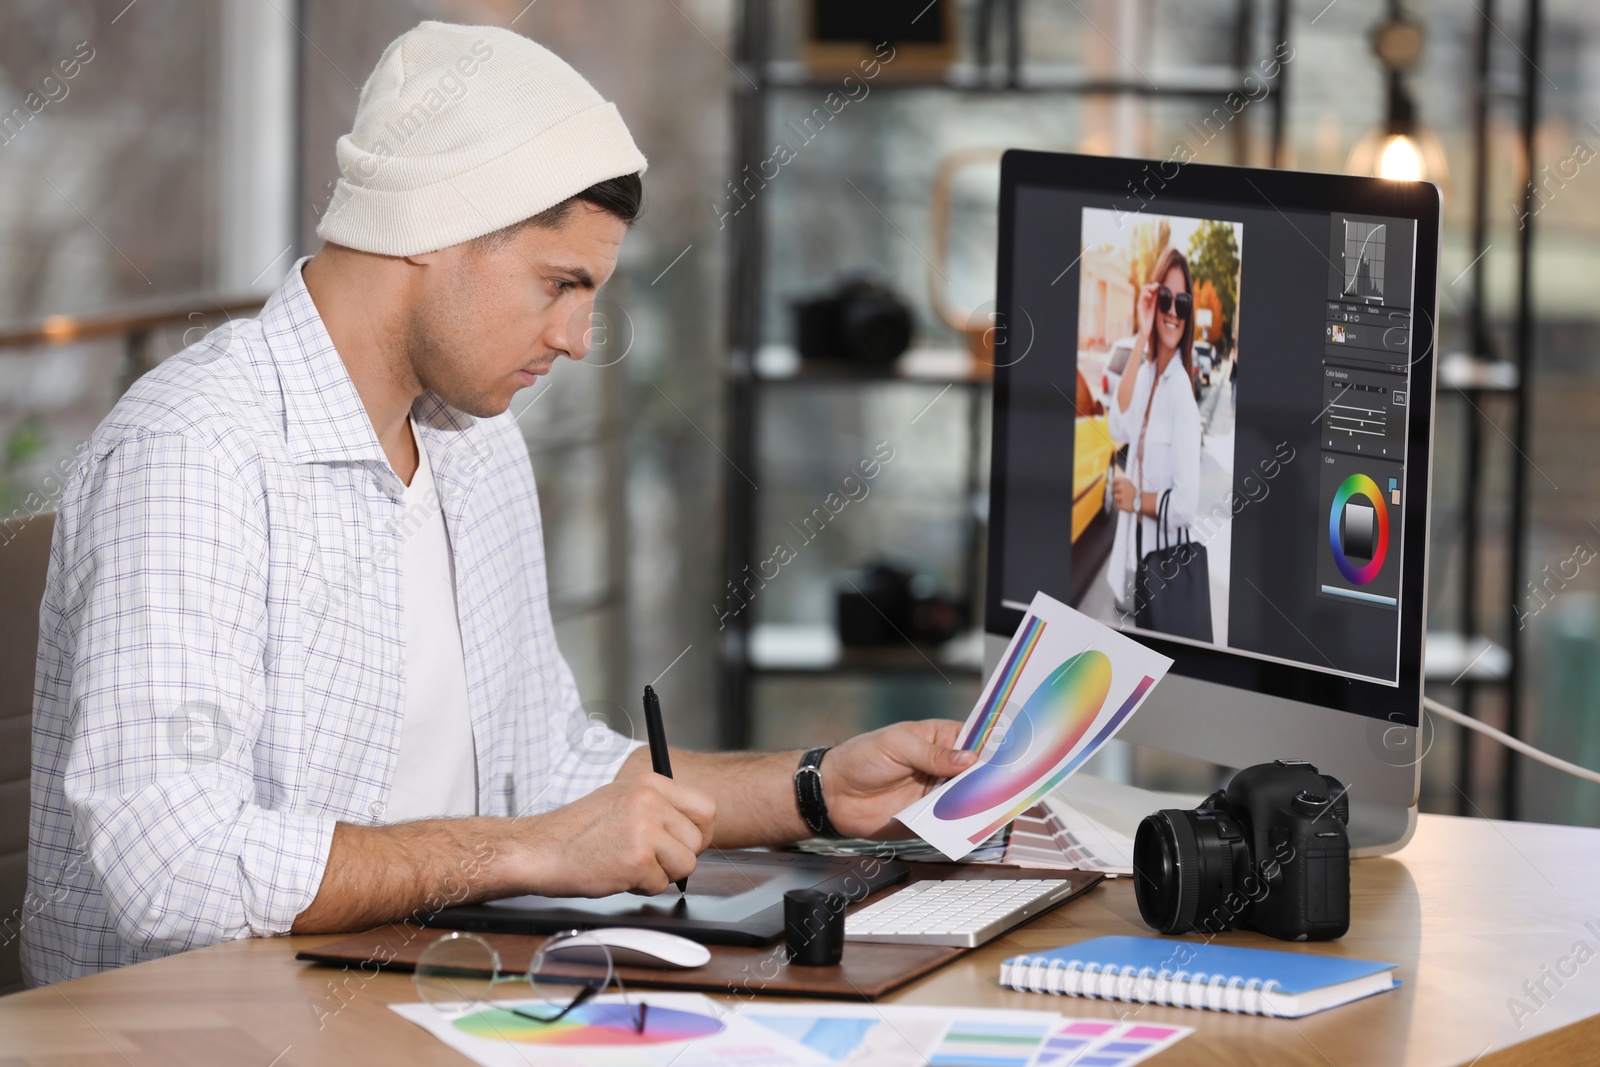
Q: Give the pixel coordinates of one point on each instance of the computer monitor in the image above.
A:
(1293, 451)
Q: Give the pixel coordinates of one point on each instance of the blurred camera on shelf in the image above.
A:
(889, 39)
(885, 604)
(860, 321)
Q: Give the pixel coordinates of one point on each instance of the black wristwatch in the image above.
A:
(808, 793)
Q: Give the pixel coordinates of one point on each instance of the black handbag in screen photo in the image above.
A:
(1172, 585)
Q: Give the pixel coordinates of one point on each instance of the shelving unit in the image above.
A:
(779, 649)
(1471, 662)
(756, 369)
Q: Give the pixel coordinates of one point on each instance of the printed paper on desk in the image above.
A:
(681, 1030)
(1064, 688)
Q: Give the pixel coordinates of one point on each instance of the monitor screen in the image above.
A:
(1212, 417)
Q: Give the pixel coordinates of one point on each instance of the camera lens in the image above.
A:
(1183, 870)
(1164, 859)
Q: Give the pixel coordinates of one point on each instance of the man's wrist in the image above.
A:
(516, 856)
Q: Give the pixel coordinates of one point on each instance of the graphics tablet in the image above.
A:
(735, 898)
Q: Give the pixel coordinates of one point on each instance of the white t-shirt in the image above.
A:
(437, 772)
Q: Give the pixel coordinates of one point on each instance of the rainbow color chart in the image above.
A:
(681, 1030)
(590, 1025)
(1082, 682)
(1053, 720)
(1067, 713)
(1358, 485)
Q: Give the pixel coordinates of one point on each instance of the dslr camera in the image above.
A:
(1268, 853)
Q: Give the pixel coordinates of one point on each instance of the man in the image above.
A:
(296, 665)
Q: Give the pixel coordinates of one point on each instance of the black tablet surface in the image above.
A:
(735, 898)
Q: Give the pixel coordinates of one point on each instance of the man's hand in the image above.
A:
(638, 835)
(869, 778)
(635, 835)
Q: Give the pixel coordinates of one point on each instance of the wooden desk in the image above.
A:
(1470, 910)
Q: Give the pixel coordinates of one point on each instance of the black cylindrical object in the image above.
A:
(813, 927)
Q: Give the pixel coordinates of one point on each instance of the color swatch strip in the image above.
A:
(1005, 683)
(1107, 1044)
(989, 1044)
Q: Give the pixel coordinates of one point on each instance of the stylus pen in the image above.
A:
(660, 758)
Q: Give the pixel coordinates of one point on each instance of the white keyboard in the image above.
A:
(963, 913)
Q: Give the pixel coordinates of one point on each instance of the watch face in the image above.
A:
(1398, 44)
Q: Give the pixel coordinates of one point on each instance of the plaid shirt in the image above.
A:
(221, 672)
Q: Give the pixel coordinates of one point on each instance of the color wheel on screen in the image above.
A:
(1365, 494)
(591, 1025)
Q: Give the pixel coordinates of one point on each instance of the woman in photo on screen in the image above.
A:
(1154, 412)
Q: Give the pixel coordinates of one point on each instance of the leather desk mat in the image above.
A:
(867, 972)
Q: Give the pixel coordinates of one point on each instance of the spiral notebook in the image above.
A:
(1184, 974)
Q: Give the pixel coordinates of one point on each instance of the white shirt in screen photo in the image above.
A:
(1171, 461)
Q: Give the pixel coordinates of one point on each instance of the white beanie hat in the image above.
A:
(463, 130)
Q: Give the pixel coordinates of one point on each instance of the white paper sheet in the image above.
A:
(1064, 687)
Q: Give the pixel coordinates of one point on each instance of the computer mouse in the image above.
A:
(631, 947)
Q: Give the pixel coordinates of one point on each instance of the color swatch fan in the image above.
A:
(1064, 687)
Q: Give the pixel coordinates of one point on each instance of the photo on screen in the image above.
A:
(1166, 451)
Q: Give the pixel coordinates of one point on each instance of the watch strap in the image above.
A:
(808, 793)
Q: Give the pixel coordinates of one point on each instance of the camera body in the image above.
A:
(861, 321)
(1268, 853)
(886, 604)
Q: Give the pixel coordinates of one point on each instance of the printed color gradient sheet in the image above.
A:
(1064, 687)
